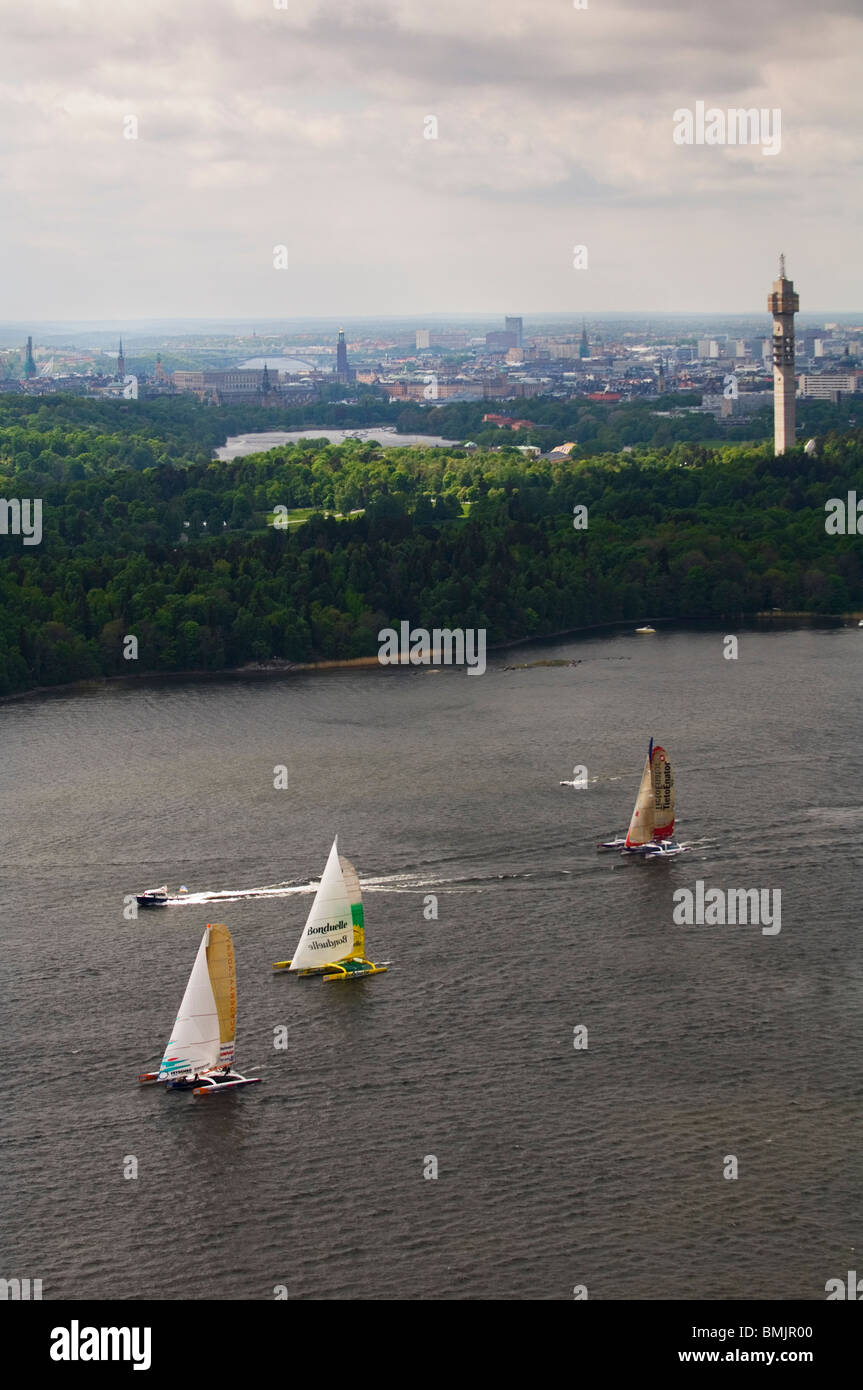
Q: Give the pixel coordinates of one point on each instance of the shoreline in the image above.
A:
(282, 667)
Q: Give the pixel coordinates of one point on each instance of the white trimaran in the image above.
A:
(333, 942)
(200, 1054)
(652, 825)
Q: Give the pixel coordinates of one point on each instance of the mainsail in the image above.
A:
(663, 795)
(653, 816)
(334, 929)
(203, 1033)
(223, 978)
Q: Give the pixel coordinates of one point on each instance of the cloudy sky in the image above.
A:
(305, 126)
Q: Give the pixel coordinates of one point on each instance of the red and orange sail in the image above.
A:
(653, 816)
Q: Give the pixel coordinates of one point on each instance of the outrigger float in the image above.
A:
(333, 943)
(200, 1056)
(651, 828)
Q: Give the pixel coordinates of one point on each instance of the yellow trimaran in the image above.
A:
(333, 942)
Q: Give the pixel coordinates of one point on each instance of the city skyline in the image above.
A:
(428, 158)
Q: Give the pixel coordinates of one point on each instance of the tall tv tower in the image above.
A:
(783, 304)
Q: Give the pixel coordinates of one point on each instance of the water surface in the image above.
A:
(556, 1167)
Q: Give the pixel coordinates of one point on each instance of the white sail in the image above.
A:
(351, 880)
(328, 935)
(195, 1039)
(641, 825)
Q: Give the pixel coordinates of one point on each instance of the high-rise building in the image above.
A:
(29, 363)
(783, 304)
(516, 326)
(827, 387)
(121, 361)
(498, 340)
(342, 371)
(423, 338)
(708, 347)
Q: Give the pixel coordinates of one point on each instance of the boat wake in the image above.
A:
(387, 883)
(230, 895)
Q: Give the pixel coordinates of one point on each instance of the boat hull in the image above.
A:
(337, 972)
(656, 849)
(205, 1082)
(358, 974)
(226, 1086)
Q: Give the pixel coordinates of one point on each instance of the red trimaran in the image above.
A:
(651, 828)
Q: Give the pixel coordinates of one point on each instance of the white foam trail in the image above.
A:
(391, 883)
(229, 895)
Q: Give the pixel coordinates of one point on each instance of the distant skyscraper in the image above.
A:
(342, 357)
(29, 364)
(584, 348)
(708, 347)
(515, 326)
(423, 338)
(783, 304)
(500, 340)
(121, 361)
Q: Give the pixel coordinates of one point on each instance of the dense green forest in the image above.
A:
(180, 427)
(144, 534)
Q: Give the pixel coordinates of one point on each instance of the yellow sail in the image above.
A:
(223, 979)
